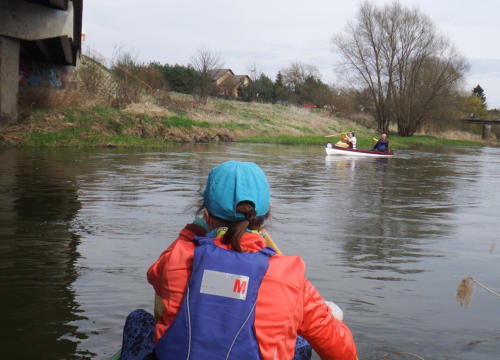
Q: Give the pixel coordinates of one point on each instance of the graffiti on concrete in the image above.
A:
(40, 74)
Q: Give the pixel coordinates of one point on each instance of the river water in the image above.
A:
(388, 240)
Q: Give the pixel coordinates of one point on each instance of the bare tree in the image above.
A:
(397, 54)
(205, 61)
(254, 75)
(124, 59)
(254, 72)
(130, 88)
(296, 74)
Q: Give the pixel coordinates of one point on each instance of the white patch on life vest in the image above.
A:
(224, 284)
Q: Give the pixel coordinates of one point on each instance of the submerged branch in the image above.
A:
(386, 356)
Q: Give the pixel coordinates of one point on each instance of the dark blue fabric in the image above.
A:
(381, 145)
(138, 335)
(215, 321)
(303, 351)
(138, 339)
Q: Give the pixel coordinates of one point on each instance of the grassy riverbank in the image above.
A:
(182, 119)
(365, 142)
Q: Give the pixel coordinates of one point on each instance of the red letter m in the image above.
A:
(239, 287)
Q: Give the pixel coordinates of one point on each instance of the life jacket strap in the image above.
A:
(205, 240)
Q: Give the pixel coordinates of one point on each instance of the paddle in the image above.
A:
(270, 242)
(342, 134)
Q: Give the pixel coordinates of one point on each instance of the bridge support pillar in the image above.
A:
(9, 79)
(486, 135)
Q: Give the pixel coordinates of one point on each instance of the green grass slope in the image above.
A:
(182, 119)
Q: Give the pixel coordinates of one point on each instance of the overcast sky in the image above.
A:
(274, 33)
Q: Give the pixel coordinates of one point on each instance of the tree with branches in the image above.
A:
(205, 61)
(398, 56)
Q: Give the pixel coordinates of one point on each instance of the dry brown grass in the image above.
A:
(180, 104)
(146, 108)
(145, 121)
(464, 292)
(454, 135)
(466, 288)
(50, 98)
(258, 118)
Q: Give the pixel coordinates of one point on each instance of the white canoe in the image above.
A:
(335, 150)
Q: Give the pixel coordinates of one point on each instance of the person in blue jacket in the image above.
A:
(382, 144)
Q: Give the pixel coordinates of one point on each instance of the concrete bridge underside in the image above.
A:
(39, 30)
(486, 130)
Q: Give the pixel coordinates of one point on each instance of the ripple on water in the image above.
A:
(388, 240)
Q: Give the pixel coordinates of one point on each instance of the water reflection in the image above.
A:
(38, 251)
(389, 207)
(297, 182)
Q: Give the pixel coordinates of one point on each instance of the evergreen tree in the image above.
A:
(181, 78)
(281, 93)
(279, 80)
(265, 89)
(479, 92)
(314, 91)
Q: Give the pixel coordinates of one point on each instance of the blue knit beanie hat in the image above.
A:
(232, 182)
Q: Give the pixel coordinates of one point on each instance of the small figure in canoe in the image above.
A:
(351, 140)
(382, 144)
(224, 288)
(348, 141)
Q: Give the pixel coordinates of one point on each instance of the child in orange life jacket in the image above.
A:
(225, 294)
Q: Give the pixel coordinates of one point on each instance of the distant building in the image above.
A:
(228, 83)
(243, 80)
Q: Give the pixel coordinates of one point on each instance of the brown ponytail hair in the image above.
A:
(237, 229)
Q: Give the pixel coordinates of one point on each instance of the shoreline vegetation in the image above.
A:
(181, 119)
